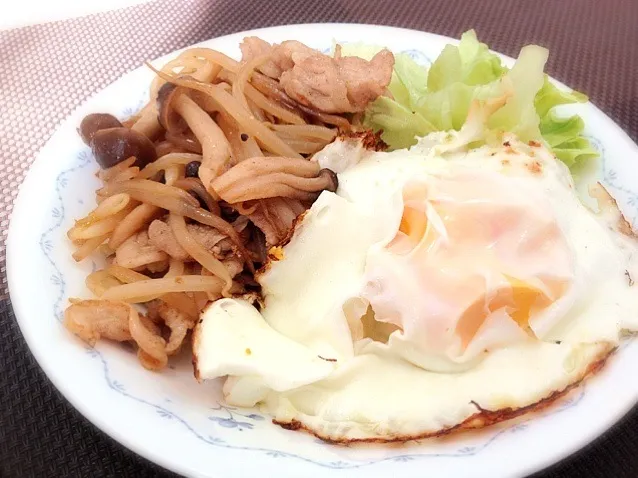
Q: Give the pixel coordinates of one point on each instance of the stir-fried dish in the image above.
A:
(207, 177)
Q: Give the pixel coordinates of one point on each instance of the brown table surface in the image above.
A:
(48, 69)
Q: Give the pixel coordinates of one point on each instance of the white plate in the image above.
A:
(173, 421)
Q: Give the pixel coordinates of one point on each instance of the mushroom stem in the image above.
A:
(247, 122)
(257, 166)
(266, 187)
(189, 144)
(148, 191)
(215, 146)
(195, 185)
(147, 124)
(243, 77)
(260, 178)
(178, 201)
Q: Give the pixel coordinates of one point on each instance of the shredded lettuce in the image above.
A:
(412, 81)
(399, 123)
(562, 134)
(439, 99)
(470, 63)
(526, 77)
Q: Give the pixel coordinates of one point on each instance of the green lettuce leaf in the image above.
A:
(526, 77)
(400, 125)
(411, 82)
(440, 99)
(447, 109)
(470, 63)
(550, 96)
(563, 134)
(564, 137)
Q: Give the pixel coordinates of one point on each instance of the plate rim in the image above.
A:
(57, 379)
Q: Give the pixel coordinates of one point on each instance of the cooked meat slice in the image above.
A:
(161, 236)
(223, 247)
(315, 81)
(205, 235)
(366, 80)
(288, 53)
(261, 219)
(275, 217)
(93, 319)
(252, 47)
(330, 85)
(341, 85)
(179, 324)
(234, 265)
(138, 251)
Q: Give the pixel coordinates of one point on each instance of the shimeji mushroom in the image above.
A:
(93, 123)
(177, 111)
(259, 178)
(112, 143)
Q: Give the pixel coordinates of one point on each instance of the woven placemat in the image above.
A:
(47, 70)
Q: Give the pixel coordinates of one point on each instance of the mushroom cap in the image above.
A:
(93, 123)
(113, 145)
(331, 178)
(167, 117)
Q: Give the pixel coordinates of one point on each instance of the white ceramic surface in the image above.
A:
(183, 426)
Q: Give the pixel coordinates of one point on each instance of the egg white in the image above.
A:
(314, 367)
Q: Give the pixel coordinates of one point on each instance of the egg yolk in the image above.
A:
(413, 223)
(476, 246)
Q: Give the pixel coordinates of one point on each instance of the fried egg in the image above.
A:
(437, 285)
